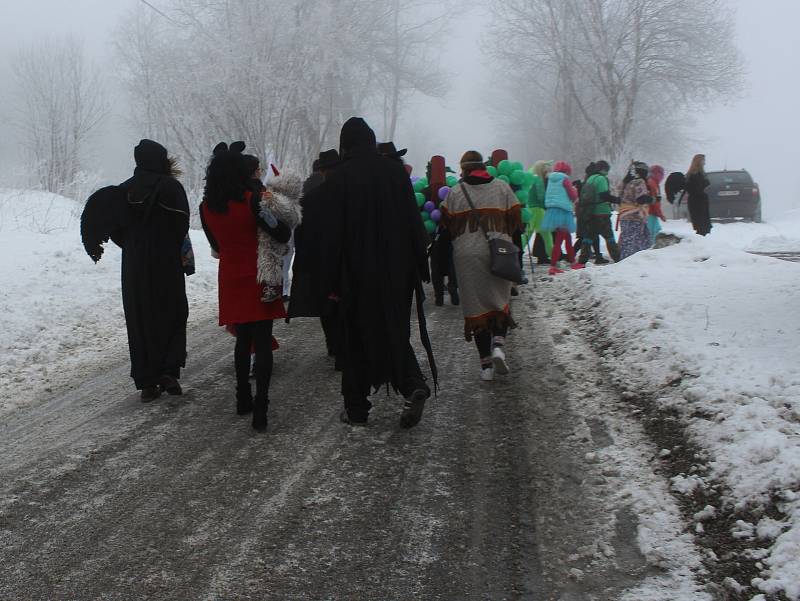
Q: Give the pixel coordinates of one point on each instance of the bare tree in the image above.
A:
(61, 102)
(600, 67)
(283, 75)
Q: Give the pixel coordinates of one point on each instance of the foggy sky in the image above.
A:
(760, 132)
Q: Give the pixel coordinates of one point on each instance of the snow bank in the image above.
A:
(780, 234)
(61, 313)
(713, 332)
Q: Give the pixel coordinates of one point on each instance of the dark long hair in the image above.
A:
(226, 180)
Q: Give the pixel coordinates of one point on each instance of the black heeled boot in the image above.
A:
(260, 415)
(244, 400)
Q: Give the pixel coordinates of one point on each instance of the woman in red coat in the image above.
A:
(231, 216)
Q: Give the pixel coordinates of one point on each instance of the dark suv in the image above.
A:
(733, 194)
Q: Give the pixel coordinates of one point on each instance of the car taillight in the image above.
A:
(755, 192)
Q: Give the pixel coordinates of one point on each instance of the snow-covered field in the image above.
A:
(711, 331)
(61, 313)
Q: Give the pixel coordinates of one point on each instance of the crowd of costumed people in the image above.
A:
(352, 245)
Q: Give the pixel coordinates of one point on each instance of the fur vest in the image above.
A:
(283, 199)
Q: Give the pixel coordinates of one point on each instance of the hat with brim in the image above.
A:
(328, 159)
(388, 149)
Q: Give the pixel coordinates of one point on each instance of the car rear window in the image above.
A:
(730, 177)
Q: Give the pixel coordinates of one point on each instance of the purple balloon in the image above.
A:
(414, 179)
(443, 192)
(429, 206)
(436, 215)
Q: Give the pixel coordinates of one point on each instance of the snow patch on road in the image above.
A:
(62, 314)
(711, 332)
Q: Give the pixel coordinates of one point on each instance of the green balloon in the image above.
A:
(504, 178)
(527, 215)
(452, 180)
(517, 177)
(504, 167)
(492, 170)
(423, 181)
(426, 216)
(522, 196)
(419, 186)
(420, 198)
(517, 166)
(528, 179)
(430, 226)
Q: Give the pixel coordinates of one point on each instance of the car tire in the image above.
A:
(757, 214)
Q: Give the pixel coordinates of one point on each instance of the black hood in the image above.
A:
(151, 156)
(356, 134)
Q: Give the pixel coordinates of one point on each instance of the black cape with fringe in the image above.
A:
(374, 256)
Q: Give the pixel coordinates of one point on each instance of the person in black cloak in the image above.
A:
(148, 218)
(307, 298)
(373, 260)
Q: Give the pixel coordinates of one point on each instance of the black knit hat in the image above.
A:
(151, 156)
(356, 132)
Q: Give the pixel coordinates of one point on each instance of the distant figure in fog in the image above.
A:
(148, 218)
(696, 184)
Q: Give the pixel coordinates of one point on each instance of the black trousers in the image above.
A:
(539, 250)
(256, 334)
(483, 340)
(596, 226)
(438, 272)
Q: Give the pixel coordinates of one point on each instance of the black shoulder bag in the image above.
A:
(503, 255)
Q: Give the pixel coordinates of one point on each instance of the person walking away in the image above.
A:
(442, 265)
(634, 211)
(559, 217)
(656, 213)
(148, 218)
(307, 298)
(583, 213)
(374, 259)
(542, 241)
(596, 198)
(696, 184)
(485, 298)
(232, 216)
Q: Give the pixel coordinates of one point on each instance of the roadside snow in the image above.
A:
(62, 314)
(713, 332)
(779, 234)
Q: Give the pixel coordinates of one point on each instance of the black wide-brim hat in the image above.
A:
(388, 149)
(328, 159)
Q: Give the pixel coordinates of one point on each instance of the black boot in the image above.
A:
(170, 385)
(586, 249)
(244, 400)
(438, 299)
(260, 415)
(412, 410)
(150, 393)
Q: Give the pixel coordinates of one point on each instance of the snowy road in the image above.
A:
(524, 488)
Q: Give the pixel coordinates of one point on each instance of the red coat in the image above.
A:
(235, 233)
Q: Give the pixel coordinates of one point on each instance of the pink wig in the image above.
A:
(562, 167)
